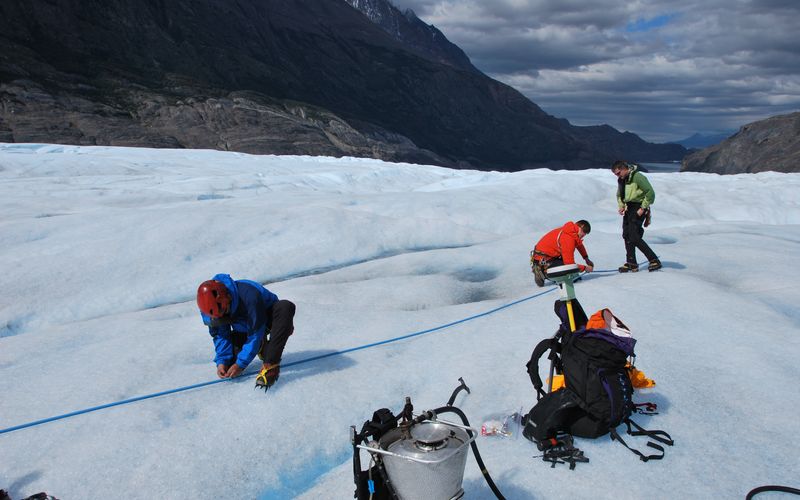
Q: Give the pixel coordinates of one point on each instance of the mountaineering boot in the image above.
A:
(654, 265)
(268, 375)
(629, 268)
(538, 275)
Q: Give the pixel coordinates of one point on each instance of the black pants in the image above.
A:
(632, 232)
(280, 325)
(544, 261)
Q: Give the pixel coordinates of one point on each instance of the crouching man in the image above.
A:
(244, 320)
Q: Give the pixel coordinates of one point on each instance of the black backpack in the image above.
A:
(598, 395)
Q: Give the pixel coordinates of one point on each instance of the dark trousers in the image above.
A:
(545, 261)
(280, 325)
(632, 232)
(548, 262)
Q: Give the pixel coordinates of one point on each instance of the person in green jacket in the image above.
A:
(634, 197)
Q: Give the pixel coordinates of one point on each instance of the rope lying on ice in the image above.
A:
(285, 365)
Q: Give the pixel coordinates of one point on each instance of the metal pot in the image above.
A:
(427, 460)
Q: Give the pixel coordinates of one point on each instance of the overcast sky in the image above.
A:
(663, 69)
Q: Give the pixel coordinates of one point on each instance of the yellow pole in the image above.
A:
(571, 316)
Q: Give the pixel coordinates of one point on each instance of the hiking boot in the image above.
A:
(629, 268)
(268, 375)
(538, 275)
(655, 265)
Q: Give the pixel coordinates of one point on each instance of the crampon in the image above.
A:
(267, 377)
(560, 450)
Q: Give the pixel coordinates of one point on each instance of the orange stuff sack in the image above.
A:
(638, 379)
(558, 382)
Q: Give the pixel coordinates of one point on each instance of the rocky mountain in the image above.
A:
(771, 144)
(322, 77)
(425, 40)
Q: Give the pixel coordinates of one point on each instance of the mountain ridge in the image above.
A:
(425, 39)
(300, 77)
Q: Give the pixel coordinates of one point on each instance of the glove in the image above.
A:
(267, 377)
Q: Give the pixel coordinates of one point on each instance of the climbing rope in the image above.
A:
(285, 365)
(293, 363)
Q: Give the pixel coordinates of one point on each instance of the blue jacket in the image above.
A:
(250, 303)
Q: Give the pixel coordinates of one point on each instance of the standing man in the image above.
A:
(634, 197)
(244, 320)
(558, 247)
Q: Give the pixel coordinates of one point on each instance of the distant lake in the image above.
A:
(661, 167)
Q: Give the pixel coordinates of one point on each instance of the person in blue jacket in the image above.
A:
(244, 320)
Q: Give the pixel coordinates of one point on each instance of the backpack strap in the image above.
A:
(533, 364)
(660, 436)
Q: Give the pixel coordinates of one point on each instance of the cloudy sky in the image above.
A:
(663, 69)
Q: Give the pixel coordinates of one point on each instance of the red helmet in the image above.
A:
(213, 298)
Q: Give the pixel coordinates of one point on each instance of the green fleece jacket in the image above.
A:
(635, 188)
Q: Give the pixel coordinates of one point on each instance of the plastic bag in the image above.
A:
(506, 426)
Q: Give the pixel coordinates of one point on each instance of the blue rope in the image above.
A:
(293, 363)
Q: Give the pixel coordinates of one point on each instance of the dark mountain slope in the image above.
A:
(267, 76)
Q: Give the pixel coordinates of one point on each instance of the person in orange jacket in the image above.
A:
(557, 248)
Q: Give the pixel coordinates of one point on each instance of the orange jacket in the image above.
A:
(562, 242)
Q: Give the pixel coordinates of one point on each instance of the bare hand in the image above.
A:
(234, 371)
(621, 211)
(640, 212)
(221, 371)
(589, 268)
